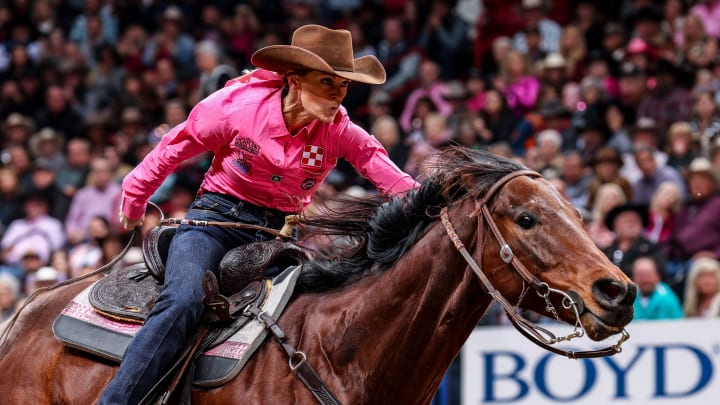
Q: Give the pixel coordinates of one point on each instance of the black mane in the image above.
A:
(378, 232)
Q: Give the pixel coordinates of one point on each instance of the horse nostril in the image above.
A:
(610, 292)
(631, 294)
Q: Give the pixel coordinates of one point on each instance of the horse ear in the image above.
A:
(452, 189)
(469, 182)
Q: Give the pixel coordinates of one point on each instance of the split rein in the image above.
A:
(570, 300)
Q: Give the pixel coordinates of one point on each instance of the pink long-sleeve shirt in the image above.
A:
(256, 159)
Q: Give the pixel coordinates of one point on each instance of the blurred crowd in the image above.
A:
(615, 102)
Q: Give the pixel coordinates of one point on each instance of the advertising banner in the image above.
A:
(664, 362)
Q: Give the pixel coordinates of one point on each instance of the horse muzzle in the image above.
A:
(613, 310)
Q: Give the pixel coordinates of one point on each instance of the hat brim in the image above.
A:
(641, 209)
(281, 58)
(709, 173)
(37, 139)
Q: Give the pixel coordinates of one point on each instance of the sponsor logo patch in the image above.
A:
(308, 183)
(242, 162)
(248, 145)
(312, 157)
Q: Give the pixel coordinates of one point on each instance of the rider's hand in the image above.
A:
(128, 223)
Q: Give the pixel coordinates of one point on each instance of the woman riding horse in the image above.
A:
(275, 133)
(382, 320)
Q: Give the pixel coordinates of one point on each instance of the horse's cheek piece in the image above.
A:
(506, 254)
(570, 300)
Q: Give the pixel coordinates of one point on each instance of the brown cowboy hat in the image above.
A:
(318, 48)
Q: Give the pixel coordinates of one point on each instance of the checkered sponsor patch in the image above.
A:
(312, 157)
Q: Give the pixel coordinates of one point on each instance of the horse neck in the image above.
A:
(399, 331)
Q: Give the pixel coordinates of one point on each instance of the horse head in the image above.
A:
(531, 238)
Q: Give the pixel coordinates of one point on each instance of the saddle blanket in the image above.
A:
(81, 327)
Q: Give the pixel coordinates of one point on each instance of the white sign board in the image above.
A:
(664, 362)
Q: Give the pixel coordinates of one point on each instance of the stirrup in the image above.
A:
(217, 306)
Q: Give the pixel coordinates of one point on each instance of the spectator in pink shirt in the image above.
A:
(709, 13)
(430, 87)
(276, 133)
(515, 82)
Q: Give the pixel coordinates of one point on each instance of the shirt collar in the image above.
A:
(276, 122)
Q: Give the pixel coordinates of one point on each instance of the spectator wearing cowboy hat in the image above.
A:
(632, 85)
(553, 71)
(43, 179)
(47, 148)
(606, 164)
(18, 129)
(629, 221)
(697, 226)
(276, 133)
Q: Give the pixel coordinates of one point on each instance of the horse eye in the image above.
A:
(527, 221)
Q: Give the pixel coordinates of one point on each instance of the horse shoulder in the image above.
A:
(32, 360)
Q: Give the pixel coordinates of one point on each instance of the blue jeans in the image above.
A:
(179, 308)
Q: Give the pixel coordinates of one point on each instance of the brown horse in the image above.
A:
(382, 321)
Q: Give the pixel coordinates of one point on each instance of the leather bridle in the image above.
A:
(570, 300)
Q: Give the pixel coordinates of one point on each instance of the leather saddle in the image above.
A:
(130, 293)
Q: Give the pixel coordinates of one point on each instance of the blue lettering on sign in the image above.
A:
(540, 372)
(621, 373)
(706, 371)
(490, 376)
(514, 364)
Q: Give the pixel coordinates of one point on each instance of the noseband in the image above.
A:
(570, 300)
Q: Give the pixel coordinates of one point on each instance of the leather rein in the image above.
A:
(283, 234)
(570, 300)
